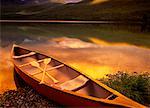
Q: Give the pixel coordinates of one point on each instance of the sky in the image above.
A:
(22, 2)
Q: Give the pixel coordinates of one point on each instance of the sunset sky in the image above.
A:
(46, 1)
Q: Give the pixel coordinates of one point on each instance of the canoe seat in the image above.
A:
(24, 55)
(75, 83)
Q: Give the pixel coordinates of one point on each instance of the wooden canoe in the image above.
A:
(63, 84)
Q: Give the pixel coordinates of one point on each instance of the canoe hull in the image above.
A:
(61, 97)
(92, 94)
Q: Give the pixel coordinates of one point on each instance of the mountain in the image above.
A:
(83, 10)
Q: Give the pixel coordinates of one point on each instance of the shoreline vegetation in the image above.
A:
(135, 86)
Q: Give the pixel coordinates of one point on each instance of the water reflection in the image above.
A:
(129, 34)
(94, 70)
(105, 43)
(113, 53)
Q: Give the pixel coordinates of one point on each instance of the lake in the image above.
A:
(95, 49)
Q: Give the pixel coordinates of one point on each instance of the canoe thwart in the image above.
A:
(25, 55)
(29, 63)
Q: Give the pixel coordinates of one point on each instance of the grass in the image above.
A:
(135, 86)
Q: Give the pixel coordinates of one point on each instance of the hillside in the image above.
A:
(84, 10)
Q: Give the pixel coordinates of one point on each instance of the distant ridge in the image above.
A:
(122, 10)
(23, 2)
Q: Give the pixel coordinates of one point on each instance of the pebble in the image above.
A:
(25, 98)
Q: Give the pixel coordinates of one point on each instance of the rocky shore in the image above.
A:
(25, 98)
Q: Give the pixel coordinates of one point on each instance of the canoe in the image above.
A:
(62, 83)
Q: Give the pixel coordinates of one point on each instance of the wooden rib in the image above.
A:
(25, 55)
(49, 69)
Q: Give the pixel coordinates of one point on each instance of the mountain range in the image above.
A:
(76, 10)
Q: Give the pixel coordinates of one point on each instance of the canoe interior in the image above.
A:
(62, 74)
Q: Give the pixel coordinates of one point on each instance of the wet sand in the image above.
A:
(89, 58)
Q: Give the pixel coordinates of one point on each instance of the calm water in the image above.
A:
(113, 47)
(17, 32)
